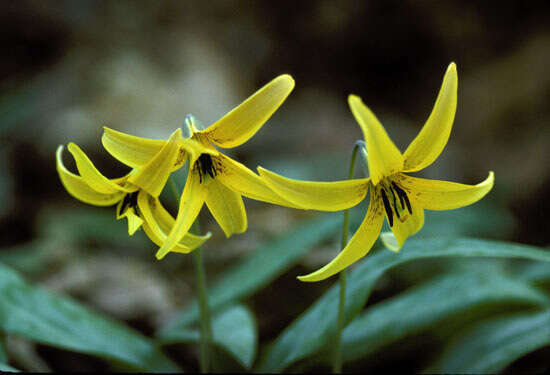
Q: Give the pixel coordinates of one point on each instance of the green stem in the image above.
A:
(337, 359)
(204, 308)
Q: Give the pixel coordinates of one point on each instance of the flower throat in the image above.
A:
(205, 166)
(390, 201)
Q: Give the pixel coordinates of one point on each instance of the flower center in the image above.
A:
(129, 201)
(205, 166)
(395, 199)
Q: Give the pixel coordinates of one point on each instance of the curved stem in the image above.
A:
(337, 359)
(204, 308)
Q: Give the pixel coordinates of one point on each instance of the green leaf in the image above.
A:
(316, 326)
(7, 368)
(51, 319)
(259, 269)
(234, 330)
(494, 344)
(425, 305)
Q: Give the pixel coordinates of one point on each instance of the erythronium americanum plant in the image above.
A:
(136, 205)
(213, 178)
(398, 197)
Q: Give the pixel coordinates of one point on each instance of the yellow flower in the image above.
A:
(140, 208)
(397, 196)
(213, 178)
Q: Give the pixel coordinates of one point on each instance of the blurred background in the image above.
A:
(70, 67)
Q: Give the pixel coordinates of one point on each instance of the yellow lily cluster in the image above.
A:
(220, 182)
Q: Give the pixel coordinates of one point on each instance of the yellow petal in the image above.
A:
(433, 137)
(404, 226)
(191, 201)
(322, 196)
(92, 176)
(134, 221)
(244, 121)
(158, 223)
(359, 245)
(128, 149)
(79, 189)
(153, 176)
(227, 208)
(444, 195)
(242, 180)
(384, 159)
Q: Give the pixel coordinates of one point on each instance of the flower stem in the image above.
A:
(337, 358)
(204, 308)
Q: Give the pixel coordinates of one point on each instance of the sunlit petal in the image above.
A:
(384, 159)
(79, 189)
(191, 201)
(359, 245)
(444, 195)
(227, 208)
(128, 149)
(242, 180)
(244, 121)
(152, 176)
(322, 196)
(433, 137)
(92, 176)
(158, 223)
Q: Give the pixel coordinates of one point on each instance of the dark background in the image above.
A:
(69, 67)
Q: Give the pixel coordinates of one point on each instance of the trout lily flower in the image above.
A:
(136, 205)
(213, 178)
(395, 195)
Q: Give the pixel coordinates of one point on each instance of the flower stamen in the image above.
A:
(129, 201)
(205, 166)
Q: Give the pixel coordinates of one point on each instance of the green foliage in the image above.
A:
(234, 330)
(314, 329)
(445, 297)
(259, 269)
(48, 318)
(493, 344)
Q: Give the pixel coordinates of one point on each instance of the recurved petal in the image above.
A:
(128, 149)
(153, 176)
(359, 245)
(433, 137)
(244, 121)
(403, 227)
(384, 159)
(242, 180)
(78, 188)
(444, 195)
(227, 207)
(191, 201)
(322, 196)
(157, 223)
(92, 176)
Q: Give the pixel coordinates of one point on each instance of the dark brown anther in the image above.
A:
(130, 200)
(387, 206)
(403, 196)
(205, 166)
(400, 194)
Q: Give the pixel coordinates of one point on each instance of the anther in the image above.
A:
(205, 166)
(403, 196)
(387, 206)
(130, 200)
